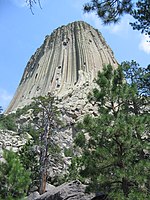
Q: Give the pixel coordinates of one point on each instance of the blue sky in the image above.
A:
(22, 33)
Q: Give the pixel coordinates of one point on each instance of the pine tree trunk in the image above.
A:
(125, 187)
(43, 160)
(43, 171)
(42, 182)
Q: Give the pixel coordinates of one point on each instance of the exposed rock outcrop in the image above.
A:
(65, 64)
(11, 140)
(74, 190)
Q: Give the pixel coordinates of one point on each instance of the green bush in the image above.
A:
(8, 122)
(14, 179)
(68, 152)
(29, 159)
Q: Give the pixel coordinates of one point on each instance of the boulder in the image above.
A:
(33, 196)
(73, 190)
(49, 187)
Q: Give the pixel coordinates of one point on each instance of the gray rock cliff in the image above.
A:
(65, 64)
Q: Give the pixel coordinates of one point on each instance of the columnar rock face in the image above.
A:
(65, 64)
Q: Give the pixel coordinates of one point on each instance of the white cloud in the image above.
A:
(144, 44)
(121, 28)
(92, 18)
(5, 98)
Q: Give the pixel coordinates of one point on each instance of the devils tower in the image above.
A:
(65, 65)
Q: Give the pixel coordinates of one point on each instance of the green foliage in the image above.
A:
(110, 11)
(8, 122)
(46, 121)
(36, 154)
(31, 130)
(21, 111)
(14, 179)
(42, 148)
(30, 161)
(134, 74)
(74, 170)
(141, 14)
(114, 145)
(1, 109)
(68, 152)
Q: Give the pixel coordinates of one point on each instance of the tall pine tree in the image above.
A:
(46, 121)
(114, 145)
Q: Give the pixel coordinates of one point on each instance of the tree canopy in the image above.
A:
(14, 179)
(46, 119)
(114, 146)
(42, 126)
(111, 11)
(141, 13)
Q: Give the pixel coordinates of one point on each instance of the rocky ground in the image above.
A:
(74, 190)
(11, 140)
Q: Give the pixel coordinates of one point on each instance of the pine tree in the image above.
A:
(141, 14)
(29, 159)
(135, 74)
(14, 179)
(114, 145)
(46, 121)
(111, 11)
(42, 126)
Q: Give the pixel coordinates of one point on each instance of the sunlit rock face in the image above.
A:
(65, 64)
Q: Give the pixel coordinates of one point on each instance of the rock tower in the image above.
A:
(65, 64)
